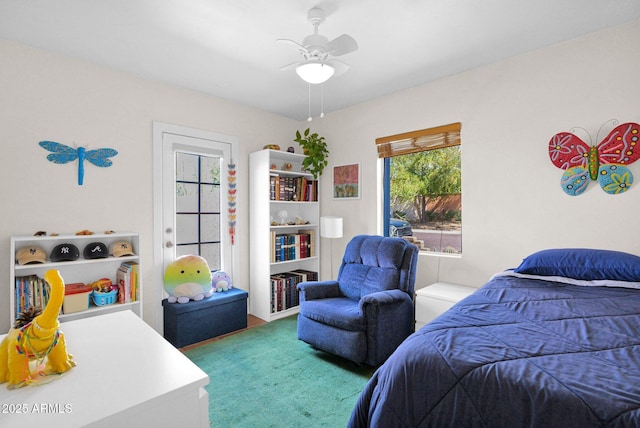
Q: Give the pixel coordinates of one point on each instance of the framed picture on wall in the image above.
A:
(346, 181)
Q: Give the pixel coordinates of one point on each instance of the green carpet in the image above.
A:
(266, 377)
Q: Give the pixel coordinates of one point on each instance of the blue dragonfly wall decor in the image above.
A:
(65, 154)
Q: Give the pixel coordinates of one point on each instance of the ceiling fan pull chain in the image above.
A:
(321, 100)
(309, 118)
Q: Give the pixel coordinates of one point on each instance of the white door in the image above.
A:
(191, 187)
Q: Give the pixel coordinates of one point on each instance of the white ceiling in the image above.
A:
(228, 48)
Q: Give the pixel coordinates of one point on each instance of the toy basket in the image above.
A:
(103, 299)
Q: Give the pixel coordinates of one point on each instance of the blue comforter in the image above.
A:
(518, 352)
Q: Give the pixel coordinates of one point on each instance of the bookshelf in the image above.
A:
(284, 234)
(78, 271)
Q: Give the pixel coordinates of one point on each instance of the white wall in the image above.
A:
(512, 201)
(44, 96)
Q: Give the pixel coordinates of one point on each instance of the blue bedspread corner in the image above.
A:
(518, 352)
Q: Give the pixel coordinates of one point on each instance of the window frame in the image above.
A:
(199, 182)
(409, 143)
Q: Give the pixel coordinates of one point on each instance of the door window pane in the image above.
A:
(210, 170)
(186, 167)
(198, 227)
(211, 253)
(210, 227)
(186, 197)
(186, 228)
(185, 250)
(210, 198)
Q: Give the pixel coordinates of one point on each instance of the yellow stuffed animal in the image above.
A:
(38, 340)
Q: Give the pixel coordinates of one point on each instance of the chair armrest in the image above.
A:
(387, 297)
(312, 290)
(390, 319)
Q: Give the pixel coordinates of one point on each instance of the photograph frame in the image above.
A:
(346, 181)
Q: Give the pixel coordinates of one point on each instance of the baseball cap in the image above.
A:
(64, 253)
(121, 248)
(95, 250)
(31, 255)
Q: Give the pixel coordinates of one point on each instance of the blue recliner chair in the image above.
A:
(368, 311)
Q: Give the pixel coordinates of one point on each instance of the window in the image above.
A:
(423, 188)
(198, 207)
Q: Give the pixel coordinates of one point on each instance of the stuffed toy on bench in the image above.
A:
(188, 278)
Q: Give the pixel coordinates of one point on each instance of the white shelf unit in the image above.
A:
(263, 211)
(80, 270)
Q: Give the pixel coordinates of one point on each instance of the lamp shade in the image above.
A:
(315, 72)
(331, 227)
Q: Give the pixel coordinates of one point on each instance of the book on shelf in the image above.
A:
(292, 246)
(30, 291)
(311, 241)
(287, 188)
(273, 250)
(127, 280)
(284, 288)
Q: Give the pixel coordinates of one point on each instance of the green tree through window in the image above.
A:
(421, 177)
(423, 187)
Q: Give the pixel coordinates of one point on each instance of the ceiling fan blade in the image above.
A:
(342, 45)
(295, 44)
(288, 67)
(340, 66)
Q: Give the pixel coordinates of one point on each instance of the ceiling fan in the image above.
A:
(317, 66)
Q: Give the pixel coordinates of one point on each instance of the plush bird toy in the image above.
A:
(188, 278)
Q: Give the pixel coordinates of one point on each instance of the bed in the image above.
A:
(552, 343)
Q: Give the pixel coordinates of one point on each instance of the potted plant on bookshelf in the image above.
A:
(315, 148)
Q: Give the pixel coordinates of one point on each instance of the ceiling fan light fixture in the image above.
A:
(315, 72)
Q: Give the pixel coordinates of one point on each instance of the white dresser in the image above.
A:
(127, 375)
(435, 299)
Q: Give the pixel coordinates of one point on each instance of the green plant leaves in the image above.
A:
(316, 150)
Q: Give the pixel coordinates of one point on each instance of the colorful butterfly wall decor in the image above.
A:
(606, 162)
(65, 154)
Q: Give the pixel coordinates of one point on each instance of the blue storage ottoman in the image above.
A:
(192, 322)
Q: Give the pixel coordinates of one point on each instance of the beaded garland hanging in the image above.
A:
(605, 162)
(231, 200)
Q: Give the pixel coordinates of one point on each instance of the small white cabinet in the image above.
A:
(435, 299)
(78, 271)
(280, 247)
